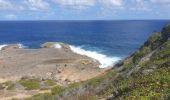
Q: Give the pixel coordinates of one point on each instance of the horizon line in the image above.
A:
(92, 20)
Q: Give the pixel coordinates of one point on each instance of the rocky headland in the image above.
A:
(55, 72)
(51, 61)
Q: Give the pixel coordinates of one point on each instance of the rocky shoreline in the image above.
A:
(52, 61)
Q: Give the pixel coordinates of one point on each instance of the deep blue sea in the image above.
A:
(111, 38)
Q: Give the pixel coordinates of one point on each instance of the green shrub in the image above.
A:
(30, 84)
(141, 53)
(44, 96)
(50, 82)
(57, 90)
(98, 80)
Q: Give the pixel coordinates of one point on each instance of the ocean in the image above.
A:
(106, 41)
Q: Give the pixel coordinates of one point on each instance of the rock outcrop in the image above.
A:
(11, 46)
(52, 61)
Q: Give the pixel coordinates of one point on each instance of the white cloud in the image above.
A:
(4, 4)
(77, 4)
(11, 6)
(37, 5)
(111, 6)
(161, 1)
(112, 2)
(139, 5)
(87, 3)
(103, 7)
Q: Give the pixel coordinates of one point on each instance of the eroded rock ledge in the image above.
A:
(52, 61)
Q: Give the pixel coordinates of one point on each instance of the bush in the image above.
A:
(45, 96)
(57, 90)
(30, 84)
(140, 54)
(50, 82)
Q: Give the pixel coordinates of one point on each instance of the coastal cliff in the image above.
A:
(142, 75)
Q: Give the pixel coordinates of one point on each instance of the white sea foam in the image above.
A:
(104, 60)
(58, 46)
(1, 46)
(21, 45)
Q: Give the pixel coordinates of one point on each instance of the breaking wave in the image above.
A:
(105, 61)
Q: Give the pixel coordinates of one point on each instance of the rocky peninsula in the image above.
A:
(51, 61)
(56, 72)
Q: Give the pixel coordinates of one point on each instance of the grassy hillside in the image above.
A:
(143, 75)
(146, 74)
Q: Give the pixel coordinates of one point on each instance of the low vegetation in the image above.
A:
(50, 82)
(30, 84)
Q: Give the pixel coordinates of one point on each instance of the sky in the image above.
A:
(84, 9)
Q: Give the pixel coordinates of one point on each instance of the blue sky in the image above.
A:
(84, 9)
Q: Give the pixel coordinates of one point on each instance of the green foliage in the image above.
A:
(57, 90)
(140, 54)
(74, 85)
(98, 80)
(45, 96)
(152, 86)
(155, 84)
(155, 37)
(30, 84)
(50, 82)
(154, 41)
